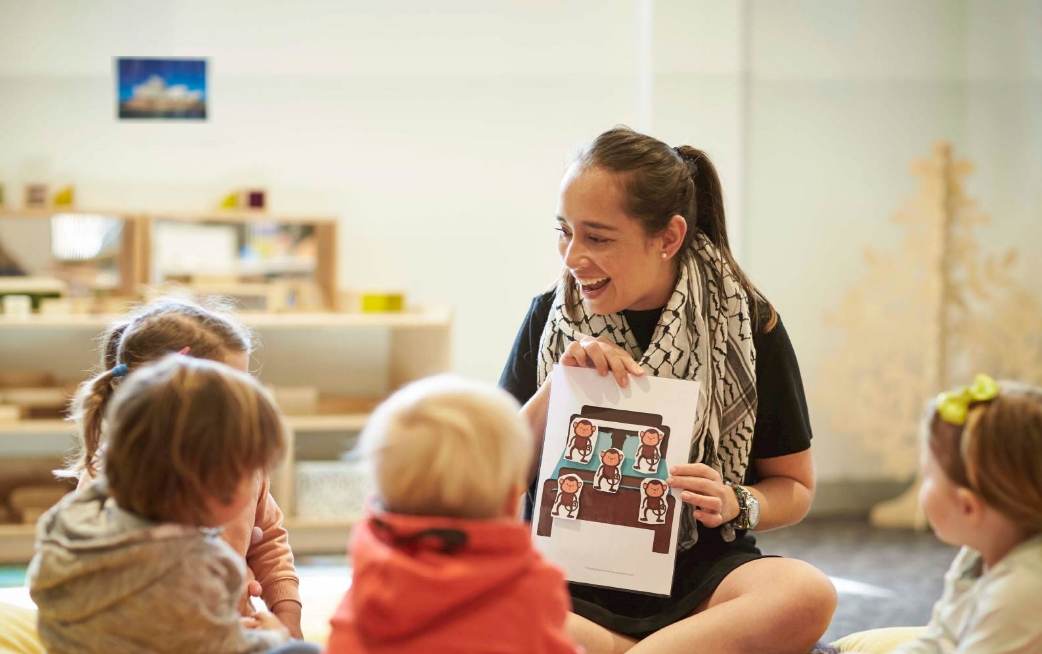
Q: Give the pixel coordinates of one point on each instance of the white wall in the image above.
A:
(437, 132)
(844, 95)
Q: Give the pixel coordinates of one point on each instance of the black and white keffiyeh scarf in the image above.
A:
(705, 335)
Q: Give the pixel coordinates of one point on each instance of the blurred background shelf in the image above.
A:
(300, 424)
(350, 360)
(433, 317)
(16, 542)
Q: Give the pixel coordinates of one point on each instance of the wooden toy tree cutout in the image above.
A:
(927, 316)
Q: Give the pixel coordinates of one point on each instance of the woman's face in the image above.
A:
(616, 265)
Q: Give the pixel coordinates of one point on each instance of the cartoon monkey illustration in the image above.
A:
(568, 487)
(648, 450)
(609, 470)
(582, 431)
(654, 489)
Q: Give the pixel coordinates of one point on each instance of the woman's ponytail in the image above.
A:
(710, 220)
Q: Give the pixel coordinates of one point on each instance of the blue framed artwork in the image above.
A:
(161, 89)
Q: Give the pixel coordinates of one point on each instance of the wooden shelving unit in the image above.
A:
(323, 269)
(354, 355)
(131, 243)
(435, 317)
(339, 353)
(16, 543)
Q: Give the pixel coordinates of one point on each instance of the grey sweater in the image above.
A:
(106, 580)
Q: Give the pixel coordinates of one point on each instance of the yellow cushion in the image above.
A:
(878, 641)
(18, 630)
(18, 623)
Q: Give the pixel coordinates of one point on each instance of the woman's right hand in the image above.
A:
(605, 356)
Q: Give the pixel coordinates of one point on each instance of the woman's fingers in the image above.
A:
(705, 494)
(618, 360)
(695, 470)
(618, 368)
(708, 518)
(603, 355)
(633, 366)
(694, 484)
(574, 355)
(707, 503)
(627, 361)
(597, 357)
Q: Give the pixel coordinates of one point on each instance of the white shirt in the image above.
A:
(993, 612)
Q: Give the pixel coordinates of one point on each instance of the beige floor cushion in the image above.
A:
(878, 641)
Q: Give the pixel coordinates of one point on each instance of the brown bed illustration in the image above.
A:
(619, 508)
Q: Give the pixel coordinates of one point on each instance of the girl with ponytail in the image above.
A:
(166, 326)
(651, 287)
(170, 326)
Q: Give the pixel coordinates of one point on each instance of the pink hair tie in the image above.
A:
(185, 350)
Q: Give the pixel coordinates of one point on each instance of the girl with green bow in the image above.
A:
(982, 491)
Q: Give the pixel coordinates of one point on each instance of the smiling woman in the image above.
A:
(650, 287)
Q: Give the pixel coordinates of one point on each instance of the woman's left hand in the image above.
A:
(714, 502)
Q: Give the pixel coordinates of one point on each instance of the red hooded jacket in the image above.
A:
(443, 585)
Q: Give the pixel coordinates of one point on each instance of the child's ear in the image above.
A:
(970, 505)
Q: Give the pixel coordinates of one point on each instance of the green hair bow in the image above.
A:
(953, 405)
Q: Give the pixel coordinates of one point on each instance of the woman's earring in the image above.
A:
(665, 256)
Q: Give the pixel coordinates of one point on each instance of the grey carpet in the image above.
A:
(908, 566)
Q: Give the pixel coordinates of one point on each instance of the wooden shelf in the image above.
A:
(17, 540)
(26, 427)
(328, 423)
(318, 537)
(299, 424)
(431, 317)
(48, 212)
(238, 216)
(217, 215)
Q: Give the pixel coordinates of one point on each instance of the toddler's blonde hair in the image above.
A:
(447, 446)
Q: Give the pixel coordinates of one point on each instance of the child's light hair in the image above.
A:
(185, 431)
(997, 453)
(446, 446)
(164, 326)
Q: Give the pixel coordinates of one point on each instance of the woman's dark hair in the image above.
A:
(661, 182)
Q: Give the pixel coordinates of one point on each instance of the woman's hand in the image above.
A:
(605, 356)
(714, 502)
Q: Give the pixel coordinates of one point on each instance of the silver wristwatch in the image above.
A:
(748, 508)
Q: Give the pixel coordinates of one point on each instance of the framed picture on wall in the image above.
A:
(161, 89)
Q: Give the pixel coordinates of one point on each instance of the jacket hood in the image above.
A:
(92, 555)
(444, 563)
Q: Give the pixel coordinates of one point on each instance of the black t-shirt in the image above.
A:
(782, 421)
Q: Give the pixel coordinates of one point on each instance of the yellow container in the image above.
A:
(383, 302)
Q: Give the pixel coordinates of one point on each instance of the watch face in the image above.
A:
(754, 511)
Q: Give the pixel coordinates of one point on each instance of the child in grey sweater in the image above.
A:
(133, 562)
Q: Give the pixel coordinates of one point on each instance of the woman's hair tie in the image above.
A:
(687, 158)
(120, 371)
